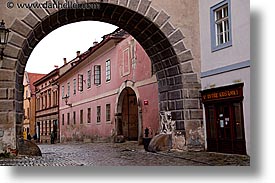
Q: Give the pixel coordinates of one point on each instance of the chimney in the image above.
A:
(56, 66)
(78, 53)
(65, 61)
(95, 43)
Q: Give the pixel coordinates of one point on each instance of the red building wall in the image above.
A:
(130, 68)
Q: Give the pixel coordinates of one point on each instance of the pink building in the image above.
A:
(110, 91)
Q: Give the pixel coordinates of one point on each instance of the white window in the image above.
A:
(63, 91)
(108, 70)
(97, 74)
(68, 89)
(220, 26)
(80, 82)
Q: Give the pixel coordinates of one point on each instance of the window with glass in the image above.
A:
(89, 76)
(220, 26)
(97, 74)
(63, 91)
(74, 117)
(74, 86)
(98, 114)
(80, 82)
(81, 116)
(68, 89)
(63, 119)
(108, 70)
(108, 112)
(89, 115)
(68, 118)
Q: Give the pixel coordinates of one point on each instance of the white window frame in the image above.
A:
(89, 79)
(215, 45)
(108, 70)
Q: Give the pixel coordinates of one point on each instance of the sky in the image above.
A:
(64, 42)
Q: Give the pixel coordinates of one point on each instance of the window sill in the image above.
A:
(222, 46)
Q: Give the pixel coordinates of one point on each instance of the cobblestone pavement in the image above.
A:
(126, 154)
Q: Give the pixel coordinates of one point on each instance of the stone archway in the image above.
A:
(171, 60)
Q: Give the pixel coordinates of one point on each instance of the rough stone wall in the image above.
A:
(167, 30)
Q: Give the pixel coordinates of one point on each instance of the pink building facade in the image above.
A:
(109, 92)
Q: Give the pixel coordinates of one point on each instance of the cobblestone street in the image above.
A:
(126, 154)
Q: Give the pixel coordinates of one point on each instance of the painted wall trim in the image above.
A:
(228, 68)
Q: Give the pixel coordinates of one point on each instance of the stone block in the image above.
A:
(113, 1)
(171, 105)
(11, 51)
(173, 95)
(7, 105)
(161, 18)
(123, 3)
(151, 13)
(196, 114)
(191, 104)
(175, 37)
(179, 105)
(179, 47)
(7, 84)
(176, 115)
(190, 78)
(172, 71)
(167, 29)
(144, 6)
(185, 56)
(3, 93)
(20, 28)
(11, 93)
(7, 75)
(41, 13)
(133, 4)
(3, 117)
(8, 63)
(16, 39)
(31, 20)
(193, 93)
(51, 10)
(186, 67)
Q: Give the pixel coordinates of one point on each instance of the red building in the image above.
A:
(110, 91)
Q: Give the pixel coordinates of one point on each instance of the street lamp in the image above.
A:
(66, 101)
(4, 35)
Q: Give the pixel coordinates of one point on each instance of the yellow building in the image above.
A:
(29, 103)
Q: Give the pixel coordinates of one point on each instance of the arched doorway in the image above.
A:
(171, 60)
(128, 125)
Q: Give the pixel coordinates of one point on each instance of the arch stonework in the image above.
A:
(172, 61)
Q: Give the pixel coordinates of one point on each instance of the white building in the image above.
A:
(225, 74)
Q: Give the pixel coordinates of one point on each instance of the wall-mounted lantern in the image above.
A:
(4, 35)
(66, 101)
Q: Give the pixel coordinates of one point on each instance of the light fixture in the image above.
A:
(4, 35)
(66, 101)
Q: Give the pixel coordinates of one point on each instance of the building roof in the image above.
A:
(119, 34)
(46, 77)
(33, 77)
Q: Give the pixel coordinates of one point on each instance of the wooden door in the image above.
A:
(225, 128)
